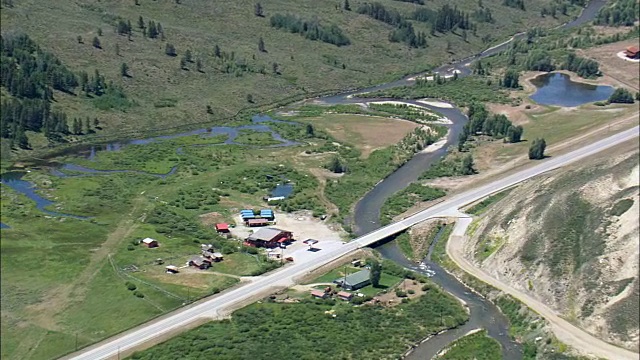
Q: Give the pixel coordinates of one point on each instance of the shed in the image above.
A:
(172, 269)
(343, 295)
(150, 243)
(222, 228)
(632, 52)
(355, 281)
(319, 294)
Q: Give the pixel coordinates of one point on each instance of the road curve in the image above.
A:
(285, 277)
(563, 330)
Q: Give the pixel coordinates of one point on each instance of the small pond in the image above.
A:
(283, 190)
(558, 89)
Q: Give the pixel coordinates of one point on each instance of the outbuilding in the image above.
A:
(343, 295)
(222, 228)
(319, 294)
(172, 269)
(150, 243)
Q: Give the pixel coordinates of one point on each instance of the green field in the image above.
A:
(164, 95)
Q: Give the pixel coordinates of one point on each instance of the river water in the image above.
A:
(483, 314)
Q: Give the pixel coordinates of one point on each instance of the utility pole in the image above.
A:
(76, 341)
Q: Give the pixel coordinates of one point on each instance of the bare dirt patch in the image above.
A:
(301, 223)
(407, 286)
(211, 218)
(366, 133)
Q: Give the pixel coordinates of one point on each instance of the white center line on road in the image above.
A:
(284, 277)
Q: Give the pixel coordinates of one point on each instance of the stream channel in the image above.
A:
(483, 314)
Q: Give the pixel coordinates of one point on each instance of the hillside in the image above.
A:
(571, 240)
(183, 62)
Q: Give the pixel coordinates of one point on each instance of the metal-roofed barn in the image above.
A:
(355, 281)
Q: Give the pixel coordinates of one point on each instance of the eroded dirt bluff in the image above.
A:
(571, 240)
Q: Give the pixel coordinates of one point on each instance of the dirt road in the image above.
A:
(569, 334)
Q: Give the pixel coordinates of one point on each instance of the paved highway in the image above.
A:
(285, 277)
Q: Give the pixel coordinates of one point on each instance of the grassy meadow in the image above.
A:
(162, 95)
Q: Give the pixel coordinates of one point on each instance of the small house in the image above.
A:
(222, 228)
(354, 281)
(319, 294)
(150, 243)
(172, 269)
(346, 296)
(632, 52)
(200, 262)
(269, 237)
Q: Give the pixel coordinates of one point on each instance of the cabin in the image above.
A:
(346, 296)
(269, 237)
(150, 243)
(354, 281)
(632, 52)
(222, 228)
(200, 262)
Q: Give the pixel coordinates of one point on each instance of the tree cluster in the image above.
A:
(26, 71)
(445, 19)
(517, 4)
(483, 15)
(403, 31)
(510, 79)
(310, 29)
(124, 27)
(581, 66)
(481, 122)
(29, 75)
(620, 13)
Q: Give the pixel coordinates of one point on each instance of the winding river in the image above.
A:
(483, 314)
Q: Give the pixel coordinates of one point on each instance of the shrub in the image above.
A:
(411, 291)
(138, 294)
(400, 293)
(131, 286)
(426, 287)
(130, 247)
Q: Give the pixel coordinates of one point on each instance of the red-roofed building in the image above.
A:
(222, 228)
(632, 52)
(343, 295)
(319, 294)
(269, 237)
